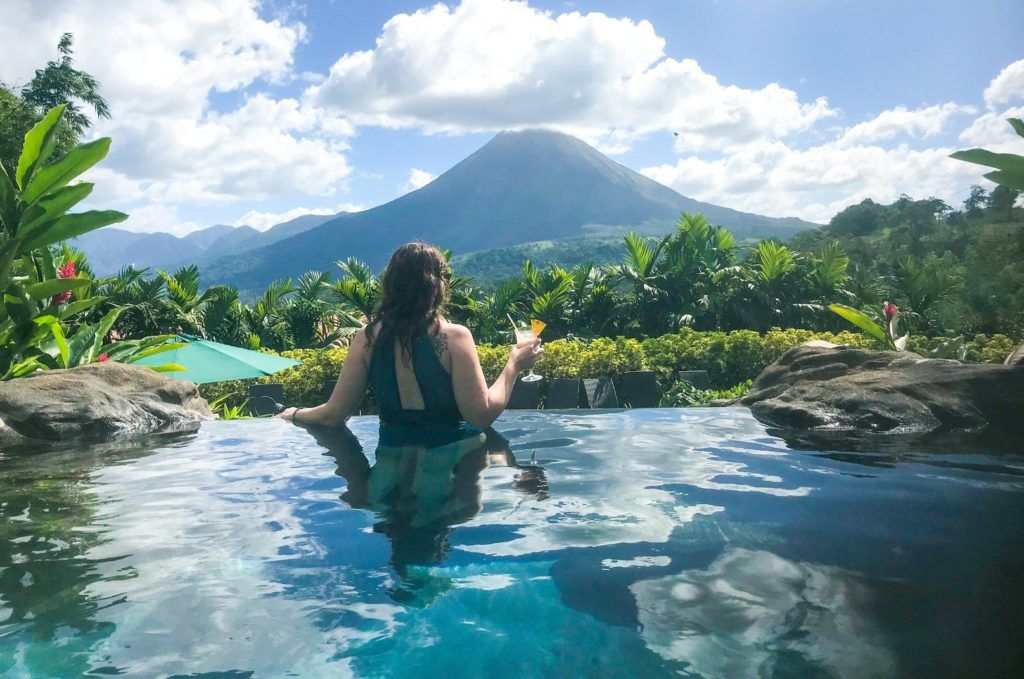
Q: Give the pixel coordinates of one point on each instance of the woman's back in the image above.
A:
(415, 392)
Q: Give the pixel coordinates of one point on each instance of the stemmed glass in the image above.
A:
(528, 333)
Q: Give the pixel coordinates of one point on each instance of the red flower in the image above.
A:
(103, 358)
(67, 270)
(890, 310)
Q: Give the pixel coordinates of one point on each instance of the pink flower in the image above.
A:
(103, 358)
(890, 310)
(67, 270)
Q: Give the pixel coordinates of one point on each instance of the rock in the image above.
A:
(1016, 358)
(97, 401)
(836, 392)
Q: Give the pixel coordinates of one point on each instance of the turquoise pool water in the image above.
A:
(645, 543)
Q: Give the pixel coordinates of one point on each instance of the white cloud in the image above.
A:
(922, 122)
(773, 179)
(417, 180)
(1007, 87)
(159, 63)
(261, 221)
(500, 64)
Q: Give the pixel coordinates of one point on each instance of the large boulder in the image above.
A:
(825, 392)
(97, 401)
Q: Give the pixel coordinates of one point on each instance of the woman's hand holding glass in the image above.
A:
(525, 354)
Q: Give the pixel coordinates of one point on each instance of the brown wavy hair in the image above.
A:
(414, 290)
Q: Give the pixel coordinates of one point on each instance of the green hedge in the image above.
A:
(731, 358)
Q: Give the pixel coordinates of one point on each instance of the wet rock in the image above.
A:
(1017, 357)
(833, 392)
(97, 401)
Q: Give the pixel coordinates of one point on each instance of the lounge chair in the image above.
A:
(640, 389)
(600, 393)
(698, 378)
(264, 398)
(525, 395)
(564, 393)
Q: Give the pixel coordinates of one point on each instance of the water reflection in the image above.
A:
(420, 493)
(753, 613)
(48, 528)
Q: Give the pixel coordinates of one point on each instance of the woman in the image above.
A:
(425, 371)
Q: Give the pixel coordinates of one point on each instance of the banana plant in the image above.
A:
(34, 204)
(885, 333)
(1008, 168)
(88, 345)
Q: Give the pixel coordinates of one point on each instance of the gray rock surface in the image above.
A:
(97, 401)
(1017, 357)
(837, 391)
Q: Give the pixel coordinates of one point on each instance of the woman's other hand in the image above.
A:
(524, 356)
(287, 414)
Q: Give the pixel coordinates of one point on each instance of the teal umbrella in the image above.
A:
(206, 361)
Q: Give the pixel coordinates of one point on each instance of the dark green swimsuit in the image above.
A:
(440, 421)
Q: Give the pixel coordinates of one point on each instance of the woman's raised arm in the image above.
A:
(479, 404)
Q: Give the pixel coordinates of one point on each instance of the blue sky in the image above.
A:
(238, 112)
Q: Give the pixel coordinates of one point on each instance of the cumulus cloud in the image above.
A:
(159, 63)
(772, 178)
(1007, 87)
(417, 179)
(501, 64)
(778, 178)
(922, 122)
(261, 221)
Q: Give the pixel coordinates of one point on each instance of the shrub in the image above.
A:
(732, 360)
(606, 356)
(684, 395)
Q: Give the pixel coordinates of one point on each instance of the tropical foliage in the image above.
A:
(44, 295)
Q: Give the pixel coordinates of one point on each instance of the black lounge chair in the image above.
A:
(264, 398)
(564, 393)
(640, 389)
(600, 393)
(698, 378)
(525, 395)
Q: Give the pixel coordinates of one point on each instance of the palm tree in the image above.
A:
(641, 273)
(312, 321)
(358, 290)
(825, 283)
(770, 272)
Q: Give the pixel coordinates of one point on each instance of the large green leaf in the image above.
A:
(10, 251)
(55, 286)
(1011, 180)
(102, 330)
(861, 320)
(169, 368)
(38, 145)
(79, 306)
(8, 201)
(72, 226)
(58, 336)
(1000, 161)
(170, 346)
(52, 176)
(1017, 124)
(52, 207)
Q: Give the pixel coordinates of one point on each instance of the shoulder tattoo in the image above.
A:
(440, 342)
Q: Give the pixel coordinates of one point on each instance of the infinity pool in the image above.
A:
(644, 543)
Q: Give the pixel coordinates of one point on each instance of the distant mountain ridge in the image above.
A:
(110, 249)
(520, 187)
